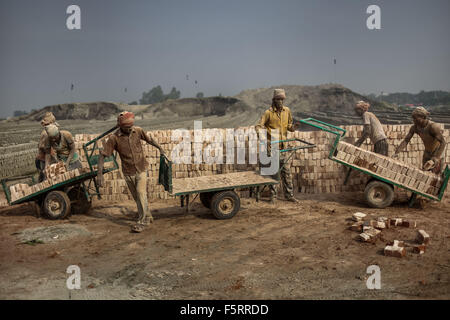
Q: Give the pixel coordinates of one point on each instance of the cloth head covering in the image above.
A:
(279, 93)
(421, 112)
(52, 130)
(362, 105)
(125, 119)
(48, 118)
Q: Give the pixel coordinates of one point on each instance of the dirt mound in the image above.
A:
(321, 98)
(189, 107)
(77, 111)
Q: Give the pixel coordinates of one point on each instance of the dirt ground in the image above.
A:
(267, 251)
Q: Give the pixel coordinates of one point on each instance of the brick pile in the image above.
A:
(370, 231)
(22, 190)
(312, 171)
(390, 169)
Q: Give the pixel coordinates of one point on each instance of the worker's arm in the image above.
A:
(110, 146)
(149, 139)
(291, 127)
(262, 122)
(48, 159)
(405, 141)
(437, 133)
(365, 135)
(71, 145)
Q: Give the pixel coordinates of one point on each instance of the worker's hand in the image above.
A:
(100, 179)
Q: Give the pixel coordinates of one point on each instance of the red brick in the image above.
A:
(423, 237)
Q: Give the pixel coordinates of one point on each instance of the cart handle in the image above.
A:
(322, 126)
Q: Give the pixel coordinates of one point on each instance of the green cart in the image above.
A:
(72, 196)
(379, 191)
(217, 192)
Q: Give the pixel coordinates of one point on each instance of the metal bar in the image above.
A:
(225, 188)
(446, 176)
(6, 190)
(100, 136)
(308, 120)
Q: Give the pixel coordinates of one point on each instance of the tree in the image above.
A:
(174, 94)
(156, 95)
(199, 95)
(152, 96)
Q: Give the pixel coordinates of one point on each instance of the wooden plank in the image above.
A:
(217, 181)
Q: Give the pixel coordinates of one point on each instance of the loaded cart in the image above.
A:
(384, 172)
(217, 192)
(69, 193)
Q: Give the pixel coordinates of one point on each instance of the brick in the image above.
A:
(420, 249)
(357, 226)
(358, 216)
(409, 224)
(393, 251)
(423, 237)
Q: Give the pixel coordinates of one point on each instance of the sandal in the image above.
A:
(137, 228)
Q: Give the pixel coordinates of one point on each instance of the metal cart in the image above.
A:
(217, 192)
(70, 196)
(379, 191)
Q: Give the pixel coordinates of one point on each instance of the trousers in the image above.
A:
(137, 184)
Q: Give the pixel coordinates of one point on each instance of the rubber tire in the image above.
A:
(82, 205)
(218, 198)
(383, 202)
(64, 202)
(205, 198)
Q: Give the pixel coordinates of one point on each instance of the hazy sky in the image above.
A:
(227, 46)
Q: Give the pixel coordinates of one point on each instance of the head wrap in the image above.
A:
(279, 93)
(362, 105)
(125, 119)
(48, 118)
(52, 130)
(421, 112)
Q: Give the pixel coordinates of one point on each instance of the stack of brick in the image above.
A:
(390, 169)
(17, 161)
(19, 191)
(55, 169)
(312, 171)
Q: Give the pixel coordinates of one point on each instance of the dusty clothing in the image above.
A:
(382, 147)
(284, 176)
(130, 149)
(41, 146)
(282, 121)
(137, 184)
(62, 149)
(376, 132)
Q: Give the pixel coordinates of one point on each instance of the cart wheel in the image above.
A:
(78, 200)
(225, 204)
(205, 198)
(56, 205)
(379, 194)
